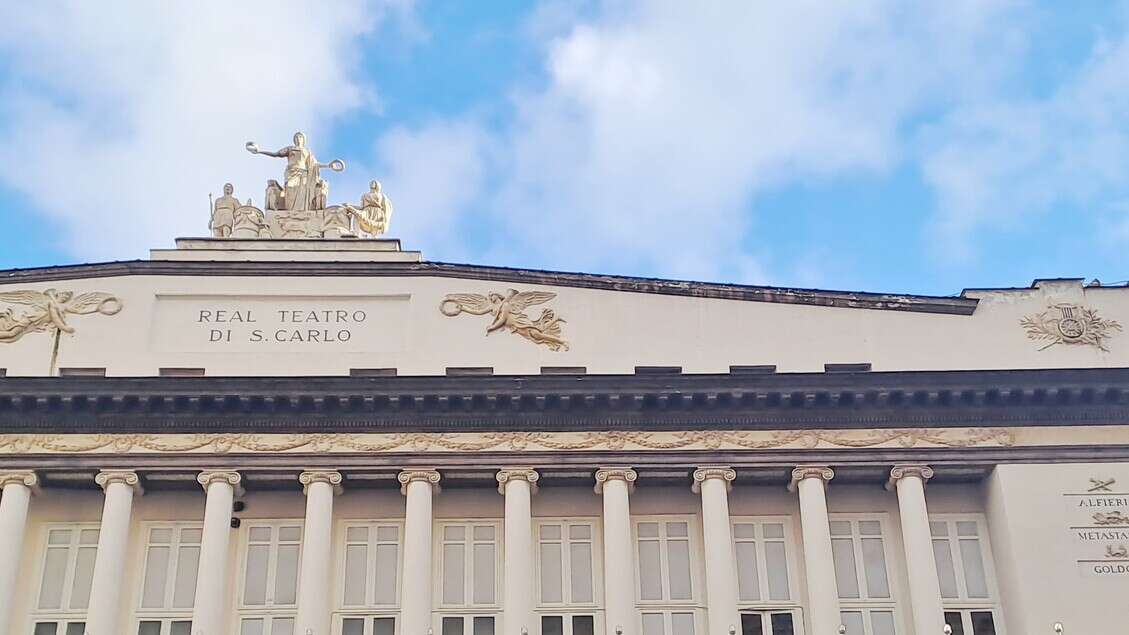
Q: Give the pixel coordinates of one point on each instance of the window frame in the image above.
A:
(668, 613)
(864, 604)
(370, 608)
(694, 548)
(338, 627)
(791, 543)
(62, 616)
(568, 606)
(468, 608)
(268, 611)
(963, 602)
(767, 612)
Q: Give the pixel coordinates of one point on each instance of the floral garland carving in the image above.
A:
(498, 441)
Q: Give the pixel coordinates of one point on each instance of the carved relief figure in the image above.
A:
(249, 222)
(1069, 324)
(375, 213)
(1111, 518)
(336, 222)
(299, 179)
(223, 212)
(509, 314)
(48, 310)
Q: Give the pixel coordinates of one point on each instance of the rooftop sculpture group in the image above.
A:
(298, 207)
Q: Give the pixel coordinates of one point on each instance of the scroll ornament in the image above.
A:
(23, 312)
(509, 314)
(1069, 324)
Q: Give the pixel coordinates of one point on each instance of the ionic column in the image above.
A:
(415, 594)
(315, 576)
(924, 587)
(209, 615)
(714, 484)
(518, 485)
(615, 485)
(18, 488)
(110, 561)
(819, 561)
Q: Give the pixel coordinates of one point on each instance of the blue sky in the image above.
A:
(886, 146)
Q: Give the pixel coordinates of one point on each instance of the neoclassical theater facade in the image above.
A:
(334, 436)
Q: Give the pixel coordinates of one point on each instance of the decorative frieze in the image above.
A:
(722, 472)
(105, 478)
(605, 474)
(309, 477)
(527, 474)
(408, 476)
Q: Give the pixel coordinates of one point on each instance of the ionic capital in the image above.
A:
(923, 472)
(526, 474)
(207, 477)
(409, 476)
(309, 477)
(625, 474)
(105, 478)
(723, 472)
(27, 478)
(822, 472)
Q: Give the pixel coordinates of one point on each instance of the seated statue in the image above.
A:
(375, 213)
(223, 213)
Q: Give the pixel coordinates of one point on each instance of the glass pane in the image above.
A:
(650, 576)
(454, 575)
(355, 534)
(938, 529)
(83, 576)
(752, 624)
(678, 562)
(386, 563)
(190, 536)
(648, 530)
(882, 622)
(483, 626)
(982, 623)
(853, 621)
(483, 575)
(58, 537)
(184, 589)
(653, 624)
(251, 627)
(782, 624)
(384, 626)
(774, 530)
(777, 563)
(552, 625)
(485, 533)
(552, 590)
(452, 626)
(454, 533)
(946, 575)
(677, 530)
(259, 534)
(583, 625)
(388, 534)
(87, 537)
(870, 528)
(748, 581)
(54, 570)
(356, 565)
(953, 619)
(580, 564)
(46, 628)
(744, 531)
(149, 628)
(966, 528)
(156, 576)
(874, 561)
(550, 532)
(255, 578)
(286, 576)
(974, 578)
(282, 626)
(840, 527)
(580, 532)
(289, 534)
(76, 628)
(159, 536)
(181, 628)
(682, 624)
(846, 575)
(353, 626)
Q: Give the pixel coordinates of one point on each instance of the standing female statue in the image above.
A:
(301, 175)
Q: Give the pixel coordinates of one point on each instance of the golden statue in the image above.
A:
(509, 313)
(48, 310)
(375, 213)
(299, 180)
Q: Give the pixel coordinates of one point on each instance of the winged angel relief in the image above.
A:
(36, 311)
(509, 314)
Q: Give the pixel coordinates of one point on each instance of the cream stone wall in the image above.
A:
(607, 331)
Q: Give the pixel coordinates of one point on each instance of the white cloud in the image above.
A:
(120, 117)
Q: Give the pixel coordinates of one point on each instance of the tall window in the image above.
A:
(168, 588)
(370, 587)
(469, 564)
(566, 579)
(665, 575)
(967, 590)
(269, 597)
(865, 598)
(64, 588)
(764, 589)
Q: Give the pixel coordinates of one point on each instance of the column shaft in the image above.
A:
(415, 595)
(17, 488)
(721, 576)
(518, 583)
(209, 615)
(819, 561)
(315, 575)
(113, 541)
(924, 587)
(619, 550)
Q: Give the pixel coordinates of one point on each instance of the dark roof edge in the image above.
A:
(628, 284)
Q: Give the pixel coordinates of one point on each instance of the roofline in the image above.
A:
(628, 284)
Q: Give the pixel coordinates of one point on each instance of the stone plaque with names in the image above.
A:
(1098, 517)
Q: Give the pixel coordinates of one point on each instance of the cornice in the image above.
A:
(622, 284)
(1096, 396)
(331, 477)
(105, 478)
(430, 477)
(526, 474)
